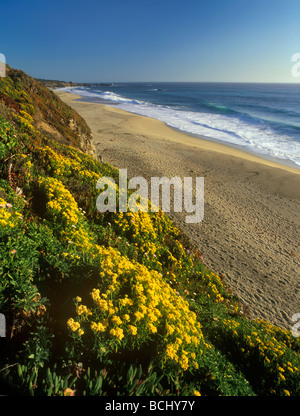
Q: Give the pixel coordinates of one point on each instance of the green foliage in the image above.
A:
(8, 138)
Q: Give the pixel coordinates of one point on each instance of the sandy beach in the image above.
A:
(250, 230)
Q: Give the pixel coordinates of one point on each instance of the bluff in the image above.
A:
(51, 116)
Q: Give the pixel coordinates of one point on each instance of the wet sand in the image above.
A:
(250, 230)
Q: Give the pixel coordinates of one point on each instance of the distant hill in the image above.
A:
(53, 84)
(49, 83)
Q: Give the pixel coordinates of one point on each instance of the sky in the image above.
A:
(152, 40)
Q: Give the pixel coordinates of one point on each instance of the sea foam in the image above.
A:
(230, 127)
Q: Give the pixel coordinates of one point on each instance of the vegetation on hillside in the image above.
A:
(35, 103)
(110, 303)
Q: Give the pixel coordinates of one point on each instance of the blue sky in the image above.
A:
(152, 40)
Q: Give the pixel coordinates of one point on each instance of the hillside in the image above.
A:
(33, 101)
(112, 303)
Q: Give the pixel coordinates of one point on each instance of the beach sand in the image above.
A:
(250, 230)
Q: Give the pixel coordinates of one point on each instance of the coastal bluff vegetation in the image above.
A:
(107, 304)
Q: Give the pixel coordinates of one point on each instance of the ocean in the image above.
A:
(263, 119)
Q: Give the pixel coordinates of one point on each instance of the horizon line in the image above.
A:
(171, 82)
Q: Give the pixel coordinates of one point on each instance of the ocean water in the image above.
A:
(263, 119)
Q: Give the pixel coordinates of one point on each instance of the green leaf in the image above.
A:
(20, 373)
(49, 391)
(98, 385)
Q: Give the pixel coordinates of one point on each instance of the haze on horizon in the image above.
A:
(152, 41)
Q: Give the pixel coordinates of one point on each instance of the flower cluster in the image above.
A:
(24, 122)
(60, 165)
(258, 340)
(8, 216)
(63, 209)
(135, 305)
(147, 233)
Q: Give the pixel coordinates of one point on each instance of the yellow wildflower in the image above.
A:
(184, 362)
(152, 328)
(132, 329)
(118, 333)
(138, 315)
(98, 327)
(73, 325)
(170, 329)
(81, 309)
(116, 319)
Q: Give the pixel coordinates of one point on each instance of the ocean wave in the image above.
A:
(224, 125)
(116, 98)
(220, 108)
(101, 95)
(257, 137)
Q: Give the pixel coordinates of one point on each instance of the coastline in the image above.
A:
(251, 223)
(220, 142)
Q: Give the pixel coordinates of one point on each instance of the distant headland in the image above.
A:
(50, 83)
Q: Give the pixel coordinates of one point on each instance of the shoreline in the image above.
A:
(251, 223)
(264, 158)
(270, 160)
(288, 184)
